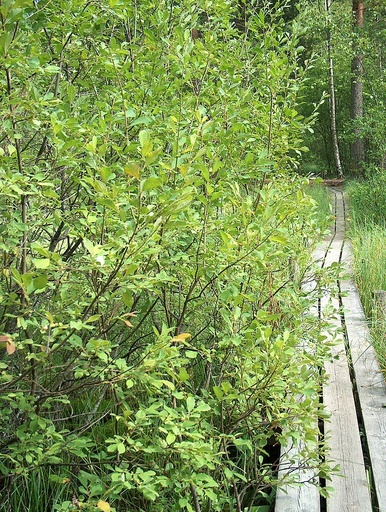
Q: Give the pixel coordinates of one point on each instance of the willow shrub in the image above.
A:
(153, 249)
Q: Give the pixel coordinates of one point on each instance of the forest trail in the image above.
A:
(354, 396)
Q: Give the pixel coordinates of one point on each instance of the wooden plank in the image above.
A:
(369, 381)
(302, 498)
(305, 496)
(351, 493)
(342, 433)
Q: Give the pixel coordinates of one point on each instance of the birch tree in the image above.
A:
(357, 149)
(332, 102)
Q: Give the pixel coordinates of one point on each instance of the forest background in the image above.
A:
(156, 234)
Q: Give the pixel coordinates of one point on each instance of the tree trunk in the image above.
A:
(357, 149)
(332, 102)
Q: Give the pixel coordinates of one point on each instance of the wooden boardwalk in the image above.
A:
(355, 397)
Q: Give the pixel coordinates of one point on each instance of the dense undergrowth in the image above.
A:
(155, 334)
(368, 235)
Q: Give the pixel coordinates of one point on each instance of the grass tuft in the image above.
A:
(368, 236)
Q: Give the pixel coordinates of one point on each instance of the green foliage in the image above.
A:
(346, 42)
(371, 42)
(321, 195)
(153, 248)
(315, 22)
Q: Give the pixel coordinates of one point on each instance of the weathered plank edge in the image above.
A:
(351, 492)
(370, 383)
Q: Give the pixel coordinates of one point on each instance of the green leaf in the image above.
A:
(130, 112)
(17, 276)
(40, 282)
(41, 263)
(152, 183)
(203, 407)
(105, 173)
(183, 374)
(89, 246)
(141, 120)
(152, 157)
(11, 149)
(91, 146)
(51, 69)
(280, 239)
(128, 299)
(145, 142)
(170, 438)
(211, 495)
(190, 403)
(93, 318)
(218, 392)
(149, 493)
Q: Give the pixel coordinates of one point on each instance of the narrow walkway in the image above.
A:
(355, 397)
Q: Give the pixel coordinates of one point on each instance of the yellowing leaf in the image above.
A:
(184, 168)
(127, 322)
(133, 169)
(8, 343)
(11, 347)
(181, 337)
(103, 505)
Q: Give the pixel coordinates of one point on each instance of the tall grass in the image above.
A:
(370, 261)
(368, 235)
(321, 196)
(27, 492)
